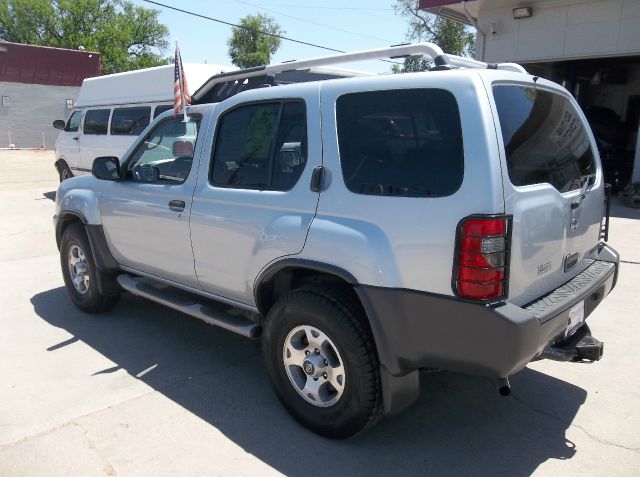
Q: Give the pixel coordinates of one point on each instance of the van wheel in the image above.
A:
(80, 273)
(64, 172)
(322, 362)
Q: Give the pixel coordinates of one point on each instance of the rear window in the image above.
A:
(404, 143)
(96, 121)
(544, 139)
(130, 121)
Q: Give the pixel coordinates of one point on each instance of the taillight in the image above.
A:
(482, 258)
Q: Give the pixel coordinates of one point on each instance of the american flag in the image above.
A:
(181, 96)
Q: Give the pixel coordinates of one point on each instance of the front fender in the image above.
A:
(73, 197)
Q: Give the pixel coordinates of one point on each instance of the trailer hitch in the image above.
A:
(580, 347)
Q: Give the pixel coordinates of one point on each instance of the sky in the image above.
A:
(348, 26)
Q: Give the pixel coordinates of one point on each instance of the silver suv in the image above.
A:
(365, 228)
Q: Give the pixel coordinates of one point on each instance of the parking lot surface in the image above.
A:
(144, 390)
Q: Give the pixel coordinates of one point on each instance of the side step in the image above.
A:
(208, 311)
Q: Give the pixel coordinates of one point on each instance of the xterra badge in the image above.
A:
(545, 267)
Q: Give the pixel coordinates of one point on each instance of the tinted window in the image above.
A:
(73, 124)
(96, 121)
(261, 146)
(166, 154)
(130, 121)
(404, 143)
(544, 138)
(161, 109)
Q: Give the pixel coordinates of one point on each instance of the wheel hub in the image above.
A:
(314, 365)
(78, 270)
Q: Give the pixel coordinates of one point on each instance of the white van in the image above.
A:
(112, 110)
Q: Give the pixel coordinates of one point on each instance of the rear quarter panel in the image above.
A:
(404, 242)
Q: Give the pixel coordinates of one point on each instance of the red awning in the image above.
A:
(424, 4)
(45, 65)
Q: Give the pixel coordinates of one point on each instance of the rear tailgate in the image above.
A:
(553, 186)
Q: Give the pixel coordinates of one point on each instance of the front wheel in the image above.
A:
(64, 172)
(80, 272)
(322, 362)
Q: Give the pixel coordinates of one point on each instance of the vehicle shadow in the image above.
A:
(50, 195)
(459, 426)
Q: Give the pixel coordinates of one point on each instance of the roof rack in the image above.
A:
(224, 85)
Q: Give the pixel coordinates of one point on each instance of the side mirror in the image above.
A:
(106, 168)
(59, 124)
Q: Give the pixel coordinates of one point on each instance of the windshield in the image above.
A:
(545, 140)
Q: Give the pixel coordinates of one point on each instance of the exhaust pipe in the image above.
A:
(503, 386)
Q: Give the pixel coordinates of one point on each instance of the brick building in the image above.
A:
(38, 85)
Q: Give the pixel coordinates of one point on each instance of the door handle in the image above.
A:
(177, 205)
(317, 179)
(76, 138)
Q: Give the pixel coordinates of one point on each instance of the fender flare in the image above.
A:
(274, 267)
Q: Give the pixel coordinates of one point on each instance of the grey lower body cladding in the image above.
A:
(416, 330)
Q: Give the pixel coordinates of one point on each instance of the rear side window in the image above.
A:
(544, 139)
(161, 109)
(261, 146)
(404, 143)
(130, 121)
(96, 121)
(73, 124)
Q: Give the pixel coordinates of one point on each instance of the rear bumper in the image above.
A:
(416, 330)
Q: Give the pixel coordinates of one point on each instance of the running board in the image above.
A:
(205, 310)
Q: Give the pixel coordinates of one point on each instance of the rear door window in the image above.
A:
(545, 140)
(261, 146)
(130, 121)
(403, 143)
(96, 121)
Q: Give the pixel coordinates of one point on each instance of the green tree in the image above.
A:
(453, 37)
(249, 46)
(126, 36)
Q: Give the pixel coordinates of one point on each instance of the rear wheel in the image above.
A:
(81, 274)
(322, 362)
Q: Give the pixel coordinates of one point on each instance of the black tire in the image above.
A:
(91, 301)
(634, 201)
(63, 171)
(342, 319)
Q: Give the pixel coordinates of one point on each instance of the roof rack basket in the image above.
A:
(425, 50)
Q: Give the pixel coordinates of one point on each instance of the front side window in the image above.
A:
(73, 123)
(402, 143)
(261, 146)
(166, 154)
(544, 139)
(130, 121)
(96, 121)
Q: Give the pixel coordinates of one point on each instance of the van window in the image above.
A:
(96, 121)
(403, 143)
(544, 139)
(261, 146)
(161, 109)
(73, 124)
(130, 121)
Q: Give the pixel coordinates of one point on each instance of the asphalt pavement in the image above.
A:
(144, 390)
